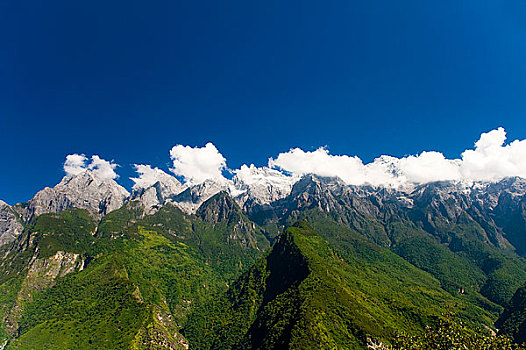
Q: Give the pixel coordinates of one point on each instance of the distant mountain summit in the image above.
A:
(191, 198)
(156, 195)
(221, 210)
(497, 206)
(85, 190)
(261, 186)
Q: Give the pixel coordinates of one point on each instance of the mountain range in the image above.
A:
(260, 261)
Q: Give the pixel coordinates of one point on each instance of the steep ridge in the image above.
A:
(131, 298)
(510, 210)
(51, 247)
(260, 186)
(448, 229)
(311, 293)
(221, 209)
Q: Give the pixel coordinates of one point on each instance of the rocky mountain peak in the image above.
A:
(220, 207)
(317, 185)
(513, 185)
(191, 199)
(85, 190)
(157, 194)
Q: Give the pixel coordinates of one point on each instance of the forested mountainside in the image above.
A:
(86, 265)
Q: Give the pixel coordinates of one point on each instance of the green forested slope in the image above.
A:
(457, 253)
(118, 299)
(310, 291)
(136, 277)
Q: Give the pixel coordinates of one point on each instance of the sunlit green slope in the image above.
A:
(310, 292)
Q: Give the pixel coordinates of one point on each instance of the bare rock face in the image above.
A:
(10, 225)
(43, 271)
(191, 199)
(170, 190)
(221, 208)
(499, 208)
(156, 195)
(84, 190)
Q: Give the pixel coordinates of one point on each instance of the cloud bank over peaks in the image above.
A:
(101, 168)
(148, 176)
(384, 171)
(320, 162)
(197, 164)
(490, 160)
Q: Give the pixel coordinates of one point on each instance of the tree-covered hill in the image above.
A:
(313, 290)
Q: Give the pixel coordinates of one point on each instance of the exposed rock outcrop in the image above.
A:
(10, 224)
(191, 199)
(41, 275)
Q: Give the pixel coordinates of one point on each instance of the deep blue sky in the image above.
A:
(129, 79)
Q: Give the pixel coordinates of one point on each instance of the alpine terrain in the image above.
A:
(264, 261)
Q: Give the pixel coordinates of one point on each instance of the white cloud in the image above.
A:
(384, 170)
(102, 169)
(320, 162)
(148, 176)
(429, 167)
(197, 164)
(75, 164)
(490, 160)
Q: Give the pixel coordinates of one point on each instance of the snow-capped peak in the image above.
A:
(261, 185)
